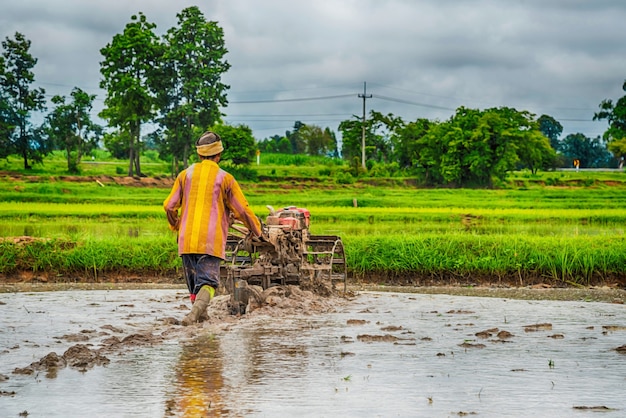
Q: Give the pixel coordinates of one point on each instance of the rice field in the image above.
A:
(524, 236)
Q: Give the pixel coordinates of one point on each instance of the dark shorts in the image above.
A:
(200, 270)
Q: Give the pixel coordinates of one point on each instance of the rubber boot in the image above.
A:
(199, 306)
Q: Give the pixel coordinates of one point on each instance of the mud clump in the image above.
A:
(112, 328)
(78, 356)
(537, 327)
(391, 328)
(82, 357)
(356, 322)
(470, 345)
(613, 328)
(387, 338)
(503, 335)
(621, 349)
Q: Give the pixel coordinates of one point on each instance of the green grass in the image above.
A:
(570, 231)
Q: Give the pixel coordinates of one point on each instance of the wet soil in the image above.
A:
(373, 332)
(93, 346)
(274, 302)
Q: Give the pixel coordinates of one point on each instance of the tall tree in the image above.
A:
(551, 128)
(18, 101)
(192, 91)
(615, 135)
(128, 69)
(70, 127)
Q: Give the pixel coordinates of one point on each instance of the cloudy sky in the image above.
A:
(308, 60)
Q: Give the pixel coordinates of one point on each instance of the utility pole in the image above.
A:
(365, 96)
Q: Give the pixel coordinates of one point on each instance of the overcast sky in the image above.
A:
(419, 58)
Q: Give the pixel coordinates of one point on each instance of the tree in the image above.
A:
(270, 145)
(192, 91)
(532, 146)
(333, 147)
(317, 141)
(551, 128)
(70, 128)
(618, 148)
(7, 123)
(615, 135)
(351, 135)
(117, 143)
(406, 142)
(238, 142)
(379, 129)
(18, 101)
(591, 153)
(128, 69)
(298, 145)
(475, 147)
(283, 146)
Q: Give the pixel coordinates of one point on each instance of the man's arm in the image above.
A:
(172, 204)
(238, 204)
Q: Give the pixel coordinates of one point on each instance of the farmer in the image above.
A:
(206, 196)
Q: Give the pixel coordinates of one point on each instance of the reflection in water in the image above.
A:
(275, 362)
(265, 353)
(199, 380)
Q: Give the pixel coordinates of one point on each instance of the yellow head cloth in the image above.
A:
(209, 150)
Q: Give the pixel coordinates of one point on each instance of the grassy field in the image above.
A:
(557, 227)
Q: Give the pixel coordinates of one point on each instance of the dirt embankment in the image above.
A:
(102, 180)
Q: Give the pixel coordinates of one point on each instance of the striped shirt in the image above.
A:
(206, 196)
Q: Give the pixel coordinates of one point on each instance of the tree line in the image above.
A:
(175, 82)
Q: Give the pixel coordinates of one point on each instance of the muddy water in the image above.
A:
(382, 354)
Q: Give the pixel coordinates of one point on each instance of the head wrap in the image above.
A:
(209, 144)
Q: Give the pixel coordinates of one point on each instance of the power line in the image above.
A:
(302, 99)
(393, 99)
(287, 115)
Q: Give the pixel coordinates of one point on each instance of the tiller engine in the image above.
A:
(285, 254)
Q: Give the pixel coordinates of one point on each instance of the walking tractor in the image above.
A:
(285, 254)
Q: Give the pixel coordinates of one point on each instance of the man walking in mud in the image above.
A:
(206, 196)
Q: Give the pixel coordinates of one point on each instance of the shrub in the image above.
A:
(324, 172)
(344, 178)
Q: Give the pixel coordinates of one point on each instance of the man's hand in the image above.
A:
(173, 220)
(251, 241)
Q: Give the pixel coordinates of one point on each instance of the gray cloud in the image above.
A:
(558, 57)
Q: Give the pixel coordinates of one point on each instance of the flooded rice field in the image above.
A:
(115, 353)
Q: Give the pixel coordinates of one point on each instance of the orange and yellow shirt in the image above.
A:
(206, 196)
